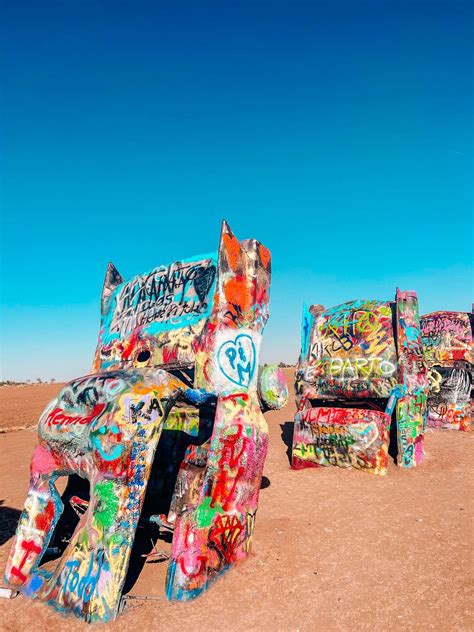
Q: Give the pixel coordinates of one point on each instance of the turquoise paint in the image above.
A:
(155, 328)
(307, 326)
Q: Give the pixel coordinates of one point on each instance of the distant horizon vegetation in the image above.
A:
(39, 380)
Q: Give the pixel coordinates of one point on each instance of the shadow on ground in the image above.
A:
(287, 437)
(8, 520)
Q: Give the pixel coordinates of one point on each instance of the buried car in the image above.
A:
(359, 362)
(173, 396)
(447, 344)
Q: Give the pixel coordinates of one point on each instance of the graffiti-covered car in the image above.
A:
(173, 398)
(359, 361)
(447, 342)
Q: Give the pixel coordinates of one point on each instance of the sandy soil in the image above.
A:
(333, 549)
(20, 406)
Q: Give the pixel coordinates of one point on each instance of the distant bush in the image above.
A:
(282, 365)
(26, 382)
(11, 383)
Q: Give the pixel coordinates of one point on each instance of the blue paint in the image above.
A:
(307, 325)
(397, 392)
(239, 363)
(198, 396)
(83, 586)
(34, 585)
(116, 451)
(156, 327)
(411, 333)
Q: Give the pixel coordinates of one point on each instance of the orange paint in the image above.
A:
(265, 256)
(233, 251)
(236, 293)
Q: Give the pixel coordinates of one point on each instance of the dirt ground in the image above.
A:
(333, 549)
(20, 406)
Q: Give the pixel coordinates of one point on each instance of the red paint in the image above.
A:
(170, 354)
(234, 396)
(44, 520)
(58, 418)
(29, 547)
(224, 489)
(130, 345)
(226, 536)
(343, 415)
(265, 256)
(202, 565)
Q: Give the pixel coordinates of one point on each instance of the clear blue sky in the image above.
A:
(337, 133)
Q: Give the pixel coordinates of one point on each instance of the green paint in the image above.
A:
(117, 540)
(106, 511)
(205, 513)
(83, 537)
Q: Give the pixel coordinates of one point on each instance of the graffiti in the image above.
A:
(360, 367)
(447, 337)
(174, 374)
(447, 344)
(167, 294)
(225, 537)
(232, 449)
(156, 318)
(28, 546)
(272, 387)
(237, 450)
(350, 350)
(353, 353)
(58, 418)
(237, 359)
(112, 436)
(412, 406)
(85, 586)
(411, 412)
(341, 436)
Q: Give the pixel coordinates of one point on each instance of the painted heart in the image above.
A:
(203, 280)
(236, 359)
(364, 433)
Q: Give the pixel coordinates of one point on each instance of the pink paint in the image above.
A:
(419, 454)
(43, 461)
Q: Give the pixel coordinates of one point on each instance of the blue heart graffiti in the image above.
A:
(237, 359)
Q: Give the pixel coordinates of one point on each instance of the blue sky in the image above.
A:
(337, 133)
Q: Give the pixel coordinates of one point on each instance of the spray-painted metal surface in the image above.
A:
(447, 342)
(358, 362)
(173, 401)
(272, 388)
(341, 436)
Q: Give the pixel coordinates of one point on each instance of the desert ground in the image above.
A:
(333, 549)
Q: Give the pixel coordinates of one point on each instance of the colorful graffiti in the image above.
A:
(411, 406)
(350, 350)
(272, 387)
(352, 355)
(155, 319)
(196, 434)
(341, 436)
(447, 342)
